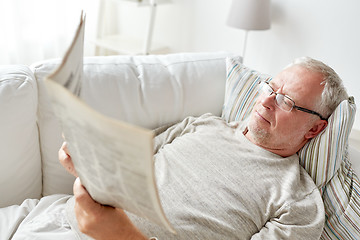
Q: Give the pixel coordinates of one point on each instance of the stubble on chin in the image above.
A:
(258, 135)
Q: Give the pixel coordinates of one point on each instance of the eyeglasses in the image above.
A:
(284, 102)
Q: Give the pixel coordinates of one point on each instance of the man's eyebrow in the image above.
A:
(273, 85)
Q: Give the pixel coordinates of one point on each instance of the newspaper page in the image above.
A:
(113, 159)
(69, 73)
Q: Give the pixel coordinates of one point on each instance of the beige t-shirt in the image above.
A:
(215, 184)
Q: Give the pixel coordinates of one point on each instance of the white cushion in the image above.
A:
(354, 149)
(148, 91)
(20, 163)
(55, 178)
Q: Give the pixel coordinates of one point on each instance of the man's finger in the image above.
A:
(65, 147)
(82, 196)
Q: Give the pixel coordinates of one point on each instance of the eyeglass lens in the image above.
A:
(285, 103)
(280, 100)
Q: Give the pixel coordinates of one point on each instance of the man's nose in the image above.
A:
(268, 100)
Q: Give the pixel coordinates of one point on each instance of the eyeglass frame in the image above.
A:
(262, 84)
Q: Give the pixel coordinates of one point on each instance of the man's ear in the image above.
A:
(318, 126)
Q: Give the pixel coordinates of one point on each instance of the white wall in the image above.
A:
(328, 30)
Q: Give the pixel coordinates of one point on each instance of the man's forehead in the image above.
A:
(295, 74)
(281, 78)
(300, 84)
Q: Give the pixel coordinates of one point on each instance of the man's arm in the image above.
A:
(303, 219)
(102, 222)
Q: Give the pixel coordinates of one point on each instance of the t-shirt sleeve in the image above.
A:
(302, 219)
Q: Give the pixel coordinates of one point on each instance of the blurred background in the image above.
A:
(328, 30)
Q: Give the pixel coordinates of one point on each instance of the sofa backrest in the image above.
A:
(20, 162)
(148, 91)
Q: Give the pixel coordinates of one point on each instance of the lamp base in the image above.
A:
(244, 45)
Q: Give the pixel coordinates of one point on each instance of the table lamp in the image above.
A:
(249, 15)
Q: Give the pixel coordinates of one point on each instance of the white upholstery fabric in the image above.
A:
(20, 163)
(354, 148)
(55, 178)
(145, 90)
(42, 219)
(12, 216)
(354, 156)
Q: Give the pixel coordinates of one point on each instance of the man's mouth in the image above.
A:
(261, 117)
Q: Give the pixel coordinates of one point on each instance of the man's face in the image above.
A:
(280, 131)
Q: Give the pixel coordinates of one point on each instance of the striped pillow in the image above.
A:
(241, 91)
(341, 197)
(321, 157)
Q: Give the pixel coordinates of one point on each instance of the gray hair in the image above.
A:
(334, 91)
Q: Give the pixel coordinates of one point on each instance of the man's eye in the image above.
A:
(288, 102)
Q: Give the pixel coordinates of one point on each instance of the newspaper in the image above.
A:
(69, 73)
(113, 159)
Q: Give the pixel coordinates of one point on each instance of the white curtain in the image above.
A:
(35, 30)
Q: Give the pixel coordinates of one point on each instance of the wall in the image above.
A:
(328, 30)
(37, 30)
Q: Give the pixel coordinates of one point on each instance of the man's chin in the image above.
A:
(259, 135)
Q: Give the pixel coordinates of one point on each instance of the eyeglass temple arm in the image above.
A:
(310, 111)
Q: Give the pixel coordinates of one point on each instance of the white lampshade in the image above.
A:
(250, 14)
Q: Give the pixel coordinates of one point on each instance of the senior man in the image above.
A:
(235, 180)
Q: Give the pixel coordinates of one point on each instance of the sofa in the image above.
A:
(149, 91)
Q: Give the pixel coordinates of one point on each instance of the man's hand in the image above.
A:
(102, 222)
(98, 221)
(65, 159)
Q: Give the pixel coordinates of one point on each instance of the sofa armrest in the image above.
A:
(20, 162)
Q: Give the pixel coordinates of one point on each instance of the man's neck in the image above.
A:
(283, 152)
